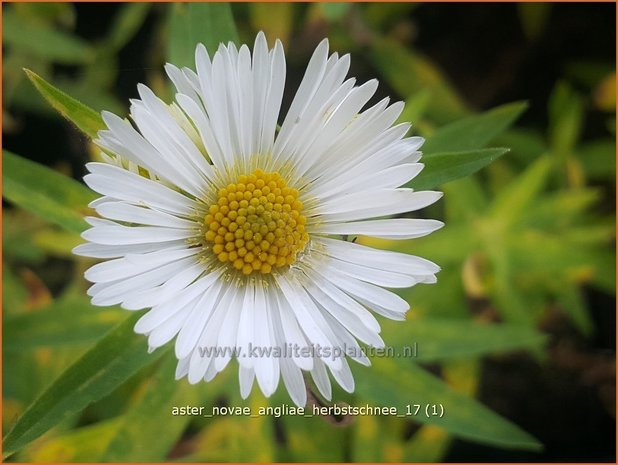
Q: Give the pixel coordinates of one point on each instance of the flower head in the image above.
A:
(231, 231)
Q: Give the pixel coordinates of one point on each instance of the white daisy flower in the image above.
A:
(230, 231)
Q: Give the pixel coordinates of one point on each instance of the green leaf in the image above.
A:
(43, 41)
(194, 23)
(126, 23)
(398, 384)
(44, 192)
(113, 360)
(443, 167)
(64, 322)
(474, 132)
(84, 118)
(513, 199)
(138, 437)
(445, 339)
(466, 200)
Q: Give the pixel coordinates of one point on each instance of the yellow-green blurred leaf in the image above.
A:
(193, 23)
(513, 199)
(52, 44)
(44, 192)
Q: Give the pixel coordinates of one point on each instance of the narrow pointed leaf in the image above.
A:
(84, 118)
(443, 167)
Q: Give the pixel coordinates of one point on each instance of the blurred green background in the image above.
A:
(517, 338)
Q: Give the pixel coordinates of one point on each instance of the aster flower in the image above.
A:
(231, 232)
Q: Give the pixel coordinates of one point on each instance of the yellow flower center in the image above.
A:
(257, 224)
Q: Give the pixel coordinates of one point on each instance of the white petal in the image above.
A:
(123, 185)
(166, 331)
(115, 292)
(229, 330)
(292, 333)
(373, 275)
(304, 94)
(122, 211)
(134, 264)
(320, 378)
(116, 251)
(398, 228)
(310, 321)
(266, 367)
(166, 291)
(345, 317)
(347, 340)
(369, 204)
(245, 378)
(161, 312)
(344, 377)
(207, 349)
(391, 177)
(182, 368)
(188, 336)
(122, 139)
(245, 337)
(127, 235)
(368, 292)
(380, 259)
